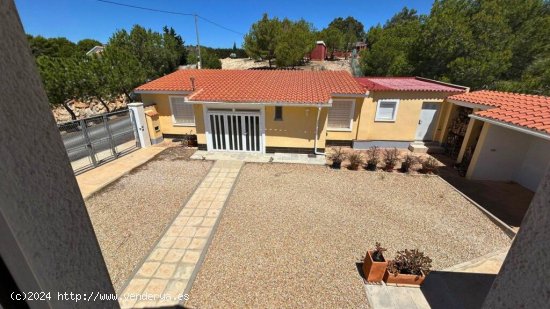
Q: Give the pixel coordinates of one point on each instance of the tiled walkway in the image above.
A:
(170, 268)
(260, 157)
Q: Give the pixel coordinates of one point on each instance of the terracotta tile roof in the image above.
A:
(529, 111)
(406, 84)
(265, 86)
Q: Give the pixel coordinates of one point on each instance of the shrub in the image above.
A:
(407, 163)
(377, 253)
(429, 165)
(391, 157)
(355, 160)
(337, 154)
(412, 262)
(373, 157)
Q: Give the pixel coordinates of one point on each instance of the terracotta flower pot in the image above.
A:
(373, 271)
(404, 279)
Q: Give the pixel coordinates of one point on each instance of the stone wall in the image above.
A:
(87, 109)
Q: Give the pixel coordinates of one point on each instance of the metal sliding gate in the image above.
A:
(235, 132)
(93, 141)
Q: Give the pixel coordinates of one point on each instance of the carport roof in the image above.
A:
(523, 110)
(256, 86)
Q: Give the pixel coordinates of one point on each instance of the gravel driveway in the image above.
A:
(291, 235)
(130, 215)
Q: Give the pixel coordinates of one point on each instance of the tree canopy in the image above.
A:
(129, 59)
(285, 40)
(491, 44)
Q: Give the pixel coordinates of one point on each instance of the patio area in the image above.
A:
(507, 201)
(295, 235)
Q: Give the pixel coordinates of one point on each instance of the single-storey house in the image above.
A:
(503, 136)
(297, 111)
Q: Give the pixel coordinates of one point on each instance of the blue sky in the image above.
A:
(79, 19)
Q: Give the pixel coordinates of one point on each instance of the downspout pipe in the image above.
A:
(317, 132)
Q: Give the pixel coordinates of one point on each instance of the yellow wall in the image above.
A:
(406, 121)
(165, 114)
(297, 129)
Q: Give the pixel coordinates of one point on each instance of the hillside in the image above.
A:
(247, 63)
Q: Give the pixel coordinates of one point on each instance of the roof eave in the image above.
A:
(295, 104)
(181, 92)
(470, 104)
(522, 129)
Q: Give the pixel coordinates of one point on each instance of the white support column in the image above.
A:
(138, 118)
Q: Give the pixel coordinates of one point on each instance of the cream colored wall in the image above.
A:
(347, 135)
(406, 122)
(165, 115)
(297, 129)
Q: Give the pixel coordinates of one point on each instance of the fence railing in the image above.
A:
(93, 141)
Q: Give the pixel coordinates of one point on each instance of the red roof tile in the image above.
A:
(265, 86)
(529, 111)
(406, 84)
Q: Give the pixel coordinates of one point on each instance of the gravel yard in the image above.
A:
(291, 235)
(131, 214)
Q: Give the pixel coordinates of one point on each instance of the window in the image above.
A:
(182, 112)
(386, 110)
(340, 115)
(278, 113)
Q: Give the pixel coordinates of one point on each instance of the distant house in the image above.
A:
(95, 50)
(319, 53)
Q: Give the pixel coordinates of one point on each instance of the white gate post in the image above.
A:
(138, 118)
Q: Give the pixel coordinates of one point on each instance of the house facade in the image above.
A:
(297, 111)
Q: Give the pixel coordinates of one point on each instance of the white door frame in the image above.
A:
(434, 119)
(233, 109)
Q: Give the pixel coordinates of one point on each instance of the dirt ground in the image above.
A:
(246, 63)
(291, 235)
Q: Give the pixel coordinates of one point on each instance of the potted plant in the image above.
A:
(429, 165)
(407, 163)
(337, 156)
(391, 157)
(373, 157)
(355, 160)
(410, 267)
(374, 264)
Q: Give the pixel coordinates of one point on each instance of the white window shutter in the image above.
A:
(339, 115)
(386, 110)
(182, 111)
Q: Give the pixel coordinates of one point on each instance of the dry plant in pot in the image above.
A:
(409, 267)
(355, 160)
(407, 163)
(391, 157)
(429, 165)
(373, 157)
(374, 264)
(337, 156)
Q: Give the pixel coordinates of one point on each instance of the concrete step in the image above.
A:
(426, 147)
(418, 148)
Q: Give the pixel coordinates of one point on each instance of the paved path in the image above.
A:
(172, 265)
(99, 177)
(260, 157)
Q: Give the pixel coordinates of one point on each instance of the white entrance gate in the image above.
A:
(234, 131)
(427, 121)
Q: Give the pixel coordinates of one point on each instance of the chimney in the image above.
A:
(192, 78)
